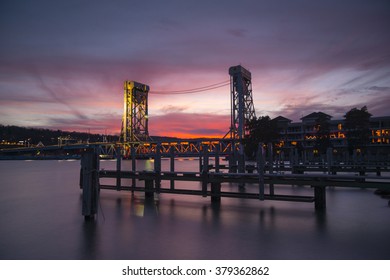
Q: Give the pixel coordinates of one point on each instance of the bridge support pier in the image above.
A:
(90, 183)
(319, 198)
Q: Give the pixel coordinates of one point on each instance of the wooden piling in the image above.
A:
(157, 167)
(149, 193)
(216, 159)
(271, 167)
(215, 192)
(133, 165)
(329, 159)
(81, 178)
(201, 162)
(90, 182)
(241, 163)
(362, 173)
(172, 167)
(260, 170)
(233, 159)
(204, 172)
(118, 168)
(319, 198)
(378, 171)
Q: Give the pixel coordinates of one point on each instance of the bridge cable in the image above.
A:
(193, 90)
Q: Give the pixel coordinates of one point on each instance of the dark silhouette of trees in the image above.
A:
(261, 130)
(33, 136)
(357, 123)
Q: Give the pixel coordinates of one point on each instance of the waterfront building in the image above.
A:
(303, 135)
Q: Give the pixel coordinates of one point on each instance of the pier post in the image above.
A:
(329, 159)
(378, 171)
(201, 161)
(354, 157)
(271, 167)
(215, 192)
(260, 170)
(291, 157)
(362, 173)
(241, 159)
(133, 165)
(118, 168)
(90, 182)
(172, 165)
(205, 170)
(157, 167)
(149, 194)
(241, 163)
(81, 178)
(233, 158)
(216, 159)
(319, 198)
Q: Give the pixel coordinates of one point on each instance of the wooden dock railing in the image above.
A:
(211, 180)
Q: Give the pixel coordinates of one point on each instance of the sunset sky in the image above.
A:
(63, 63)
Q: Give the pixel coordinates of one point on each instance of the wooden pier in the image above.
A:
(211, 179)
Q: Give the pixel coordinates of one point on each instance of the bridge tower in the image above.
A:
(242, 108)
(135, 115)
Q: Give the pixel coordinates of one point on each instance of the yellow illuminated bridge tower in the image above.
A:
(135, 113)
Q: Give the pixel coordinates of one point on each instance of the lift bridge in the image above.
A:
(136, 142)
(135, 138)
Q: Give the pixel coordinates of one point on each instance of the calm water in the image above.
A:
(40, 218)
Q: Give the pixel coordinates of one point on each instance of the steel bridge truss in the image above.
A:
(135, 113)
(181, 148)
(135, 136)
(242, 108)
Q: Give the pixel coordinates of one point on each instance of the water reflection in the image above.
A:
(89, 245)
(144, 207)
(321, 221)
(41, 219)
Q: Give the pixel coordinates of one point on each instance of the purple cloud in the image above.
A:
(66, 54)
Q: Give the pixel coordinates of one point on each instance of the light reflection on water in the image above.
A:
(40, 206)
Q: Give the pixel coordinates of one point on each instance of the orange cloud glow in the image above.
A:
(184, 125)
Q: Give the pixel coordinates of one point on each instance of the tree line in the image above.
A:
(33, 136)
